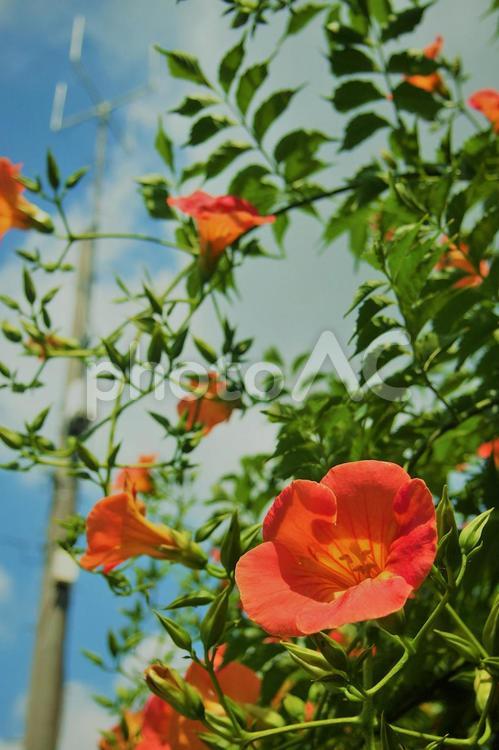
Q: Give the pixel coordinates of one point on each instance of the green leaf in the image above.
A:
(362, 127)
(348, 60)
(88, 458)
(156, 346)
(208, 126)
(177, 633)
(297, 150)
(230, 65)
(205, 350)
(249, 83)
(270, 110)
(10, 438)
(301, 17)
(75, 178)
(490, 632)
(184, 66)
(93, 657)
(353, 94)
(230, 550)
(251, 183)
(404, 22)
(415, 100)
(225, 155)
(192, 600)
(52, 171)
(29, 287)
(381, 10)
(193, 104)
(411, 62)
(213, 624)
(39, 420)
(364, 290)
(463, 646)
(164, 146)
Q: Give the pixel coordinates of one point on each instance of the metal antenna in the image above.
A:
(45, 698)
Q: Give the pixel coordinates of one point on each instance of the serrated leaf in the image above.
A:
(301, 17)
(249, 83)
(404, 22)
(194, 103)
(230, 64)
(184, 66)
(364, 290)
(413, 99)
(353, 94)
(208, 126)
(251, 183)
(270, 110)
(164, 146)
(297, 150)
(349, 60)
(225, 155)
(362, 127)
(411, 62)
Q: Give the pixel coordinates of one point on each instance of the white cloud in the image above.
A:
(82, 719)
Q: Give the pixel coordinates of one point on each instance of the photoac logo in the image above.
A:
(262, 381)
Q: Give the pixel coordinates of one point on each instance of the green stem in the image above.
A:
(465, 630)
(220, 693)
(303, 725)
(130, 236)
(448, 741)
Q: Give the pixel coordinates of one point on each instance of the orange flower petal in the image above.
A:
(15, 211)
(351, 548)
(220, 220)
(486, 101)
(117, 530)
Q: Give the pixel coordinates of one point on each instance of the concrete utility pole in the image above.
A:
(45, 698)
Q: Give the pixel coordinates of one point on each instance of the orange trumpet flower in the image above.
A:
(352, 547)
(486, 101)
(118, 530)
(237, 681)
(220, 220)
(208, 404)
(137, 478)
(432, 82)
(457, 257)
(125, 735)
(485, 450)
(15, 211)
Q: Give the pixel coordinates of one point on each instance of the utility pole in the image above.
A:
(45, 700)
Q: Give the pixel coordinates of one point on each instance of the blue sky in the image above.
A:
(314, 291)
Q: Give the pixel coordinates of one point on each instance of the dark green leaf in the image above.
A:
(225, 155)
(404, 22)
(52, 171)
(230, 65)
(411, 62)
(183, 65)
(249, 83)
(415, 100)
(208, 126)
(301, 17)
(193, 104)
(353, 94)
(164, 146)
(348, 60)
(362, 127)
(270, 110)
